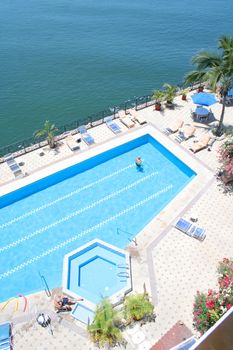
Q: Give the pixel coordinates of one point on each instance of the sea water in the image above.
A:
(65, 59)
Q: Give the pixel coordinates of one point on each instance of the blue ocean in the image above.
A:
(63, 60)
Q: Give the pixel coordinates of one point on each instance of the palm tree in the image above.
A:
(48, 130)
(104, 329)
(216, 69)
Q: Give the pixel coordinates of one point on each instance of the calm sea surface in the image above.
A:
(65, 59)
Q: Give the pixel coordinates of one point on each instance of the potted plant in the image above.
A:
(48, 130)
(169, 94)
(137, 307)
(183, 93)
(158, 96)
(200, 88)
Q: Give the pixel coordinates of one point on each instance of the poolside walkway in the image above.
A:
(173, 265)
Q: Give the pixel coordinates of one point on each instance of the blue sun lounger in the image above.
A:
(5, 336)
(85, 136)
(14, 167)
(112, 125)
(190, 229)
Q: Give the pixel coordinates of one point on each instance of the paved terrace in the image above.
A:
(172, 264)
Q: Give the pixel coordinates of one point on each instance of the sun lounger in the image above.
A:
(72, 143)
(187, 132)
(127, 121)
(113, 126)
(139, 118)
(86, 137)
(190, 229)
(121, 114)
(201, 144)
(14, 167)
(5, 336)
(174, 127)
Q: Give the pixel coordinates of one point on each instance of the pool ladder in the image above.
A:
(46, 287)
(130, 235)
(123, 274)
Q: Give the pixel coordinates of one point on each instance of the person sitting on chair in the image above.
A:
(138, 161)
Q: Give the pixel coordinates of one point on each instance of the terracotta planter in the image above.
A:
(157, 107)
(184, 97)
(227, 179)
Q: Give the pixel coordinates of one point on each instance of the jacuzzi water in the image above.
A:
(105, 197)
(97, 271)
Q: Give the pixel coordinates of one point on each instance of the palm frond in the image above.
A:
(195, 77)
(206, 59)
(226, 43)
(39, 133)
(213, 77)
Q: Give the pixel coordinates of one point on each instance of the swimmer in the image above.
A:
(138, 161)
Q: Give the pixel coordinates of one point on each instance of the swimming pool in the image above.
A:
(102, 197)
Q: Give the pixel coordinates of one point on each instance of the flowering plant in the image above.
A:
(225, 270)
(207, 310)
(209, 307)
(226, 156)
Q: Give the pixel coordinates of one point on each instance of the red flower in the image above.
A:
(228, 306)
(210, 292)
(210, 304)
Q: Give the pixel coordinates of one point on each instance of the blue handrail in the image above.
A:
(47, 290)
(134, 240)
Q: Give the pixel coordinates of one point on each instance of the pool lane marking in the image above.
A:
(68, 195)
(76, 213)
(85, 232)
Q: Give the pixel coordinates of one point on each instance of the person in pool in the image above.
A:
(138, 161)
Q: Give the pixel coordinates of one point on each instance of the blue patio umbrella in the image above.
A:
(204, 99)
(230, 93)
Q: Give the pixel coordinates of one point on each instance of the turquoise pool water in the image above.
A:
(104, 197)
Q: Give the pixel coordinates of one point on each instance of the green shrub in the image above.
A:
(104, 330)
(137, 307)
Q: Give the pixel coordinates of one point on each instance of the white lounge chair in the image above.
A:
(127, 121)
(139, 118)
(72, 143)
(201, 144)
(174, 127)
(187, 132)
(121, 114)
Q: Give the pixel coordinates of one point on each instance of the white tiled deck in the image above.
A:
(172, 264)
